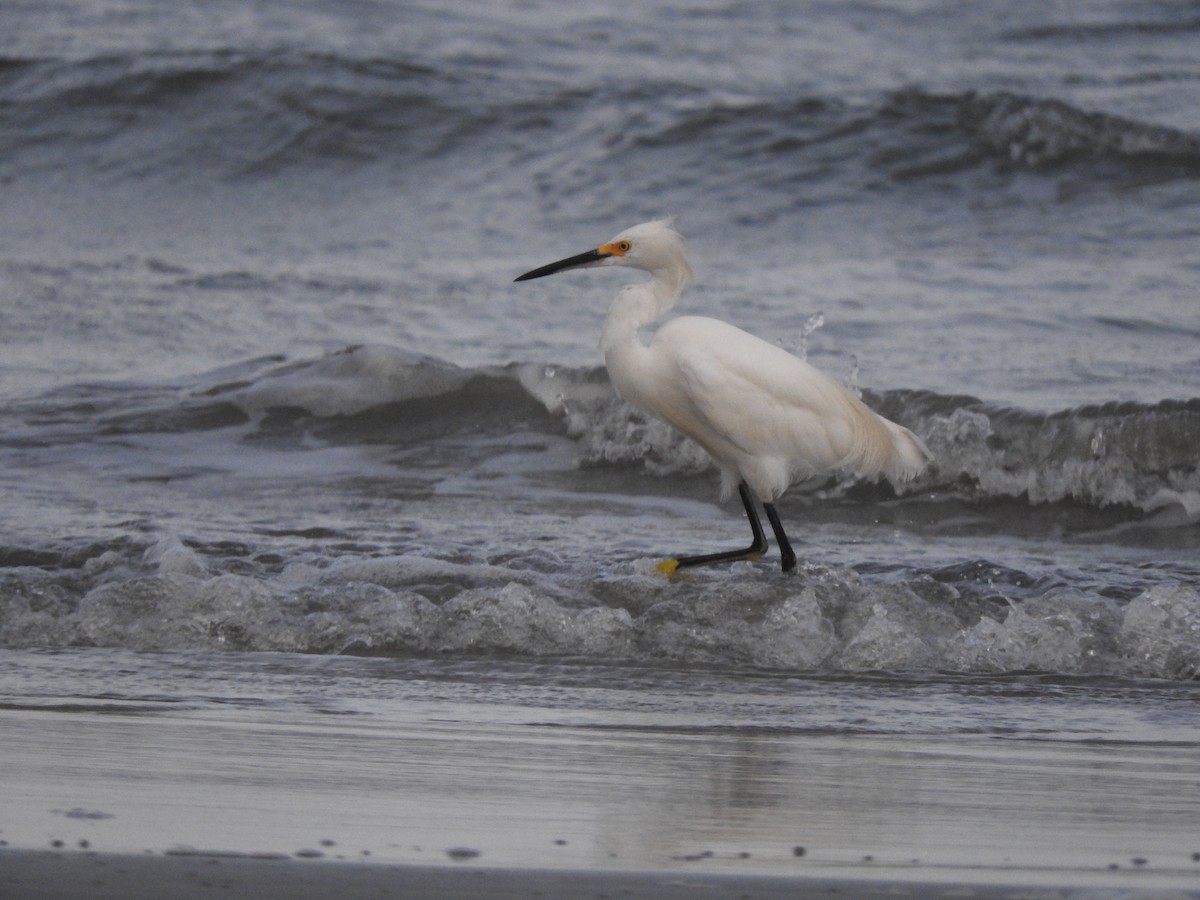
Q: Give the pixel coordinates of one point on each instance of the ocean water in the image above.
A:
(266, 383)
(267, 387)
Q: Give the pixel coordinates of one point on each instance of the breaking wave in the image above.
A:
(1140, 456)
(822, 619)
(1137, 456)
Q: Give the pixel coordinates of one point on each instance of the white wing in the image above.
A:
(768, 415)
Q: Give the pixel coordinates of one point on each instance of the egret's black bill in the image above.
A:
(571, 262)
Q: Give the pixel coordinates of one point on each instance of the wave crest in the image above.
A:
(1140, 456)
(254, 113)
(1039, 132)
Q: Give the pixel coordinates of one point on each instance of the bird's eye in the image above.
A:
(624, 246)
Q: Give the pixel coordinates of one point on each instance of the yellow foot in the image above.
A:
(668, 566)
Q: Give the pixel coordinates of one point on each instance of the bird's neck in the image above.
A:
(639, 305)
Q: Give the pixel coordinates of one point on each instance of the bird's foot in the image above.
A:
(668, 566)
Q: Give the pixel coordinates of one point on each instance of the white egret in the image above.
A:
(767, 418)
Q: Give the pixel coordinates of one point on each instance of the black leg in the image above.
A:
(754, 551)
(785, 546)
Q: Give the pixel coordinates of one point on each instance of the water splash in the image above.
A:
(852, 377)
(799, 347)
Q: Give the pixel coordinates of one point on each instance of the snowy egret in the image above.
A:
(767, 418)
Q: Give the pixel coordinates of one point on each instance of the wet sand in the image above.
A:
(40, 875)
(274, 776)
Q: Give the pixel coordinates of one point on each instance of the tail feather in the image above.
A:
(881, 447)
(910, 455)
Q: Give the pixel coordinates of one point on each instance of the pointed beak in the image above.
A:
(591, 258)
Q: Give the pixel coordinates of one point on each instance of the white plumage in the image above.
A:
(767, 418)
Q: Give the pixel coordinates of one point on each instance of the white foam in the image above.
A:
(820, 618)
(1160, 632)
(168, 555)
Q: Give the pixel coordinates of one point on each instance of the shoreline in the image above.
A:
(232, 771)
(65, 875)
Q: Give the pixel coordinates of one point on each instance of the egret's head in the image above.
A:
(652, 246)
